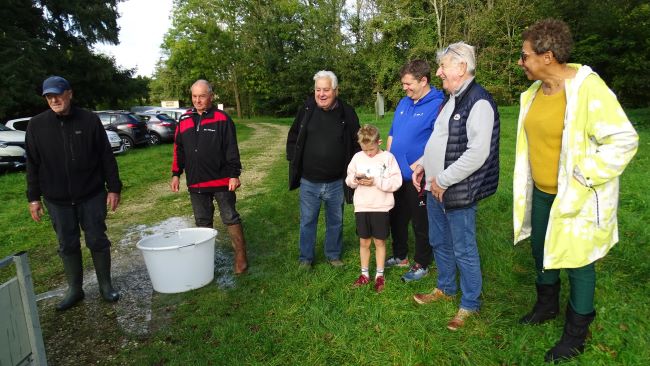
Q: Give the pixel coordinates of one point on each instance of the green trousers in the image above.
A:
(582, 279)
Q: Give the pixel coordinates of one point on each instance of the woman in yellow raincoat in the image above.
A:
(573, 142)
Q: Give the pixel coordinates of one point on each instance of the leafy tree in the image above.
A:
(261, 55)
(22, 41)
(613, 38)
(53, 37)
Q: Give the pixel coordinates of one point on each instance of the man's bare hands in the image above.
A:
(113, 200)
(36, 210)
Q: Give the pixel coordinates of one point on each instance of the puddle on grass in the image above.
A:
(133, 312)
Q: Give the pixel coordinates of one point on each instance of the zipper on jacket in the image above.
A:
(65, 160)
(198, 125)
(597, 207)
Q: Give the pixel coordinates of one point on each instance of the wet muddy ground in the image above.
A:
(93, 331)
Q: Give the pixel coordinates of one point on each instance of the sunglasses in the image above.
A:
(448, 49)
(524, 56)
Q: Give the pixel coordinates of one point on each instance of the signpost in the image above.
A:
(379, 106)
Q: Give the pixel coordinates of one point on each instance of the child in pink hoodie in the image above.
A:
(375, 175)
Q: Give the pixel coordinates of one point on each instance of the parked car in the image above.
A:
(142, 108)
(161, 127)
(174, 113)
(132, 130)
(20, 124)
(116, 142)
(12, 148)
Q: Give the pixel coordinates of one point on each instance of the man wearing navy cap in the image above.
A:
(70, 165)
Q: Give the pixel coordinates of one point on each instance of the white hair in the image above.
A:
(324, 74)
(202, 82)
(459, 52)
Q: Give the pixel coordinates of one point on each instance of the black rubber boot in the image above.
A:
(547, 306)
(572, 343)
(102, 262)
(73, 269)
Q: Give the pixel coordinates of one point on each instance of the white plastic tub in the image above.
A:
(180, 260)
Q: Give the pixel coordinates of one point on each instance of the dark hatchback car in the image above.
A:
(132, 130)
(161, 127)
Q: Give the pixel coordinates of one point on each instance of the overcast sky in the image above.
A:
(143, 23)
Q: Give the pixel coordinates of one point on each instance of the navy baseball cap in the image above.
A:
(55, 85)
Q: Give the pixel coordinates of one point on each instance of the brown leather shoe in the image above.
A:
(435, 295)
(459, 320)
(336, 263)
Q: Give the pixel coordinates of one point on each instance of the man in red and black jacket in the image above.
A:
(205, 147)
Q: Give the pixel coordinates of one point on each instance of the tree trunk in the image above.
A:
(235, 87)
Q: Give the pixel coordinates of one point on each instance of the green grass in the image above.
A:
(278, 315)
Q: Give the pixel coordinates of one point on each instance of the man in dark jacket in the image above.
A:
(71, 165)
(320, 144)
(206, 148)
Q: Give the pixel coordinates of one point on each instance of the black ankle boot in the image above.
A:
(572, 343)
(73, 268)
(102, 262)
(547, 306)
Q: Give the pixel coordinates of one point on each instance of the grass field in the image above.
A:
(279, 315)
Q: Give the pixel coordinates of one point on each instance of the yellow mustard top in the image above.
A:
(543, 125)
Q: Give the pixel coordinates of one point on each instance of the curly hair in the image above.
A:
(325, 74)
(368, 134)
(550, 35)
(418, 69)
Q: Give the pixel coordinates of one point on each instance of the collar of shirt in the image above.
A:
(463, 87)
(194, 111)
(333, 107)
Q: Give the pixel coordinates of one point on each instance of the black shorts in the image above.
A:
(373, 225)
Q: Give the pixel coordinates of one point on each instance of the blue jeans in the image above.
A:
(452, 235)
(311, 195)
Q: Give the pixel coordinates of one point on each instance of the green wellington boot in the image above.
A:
(102, 262)
(73, 269)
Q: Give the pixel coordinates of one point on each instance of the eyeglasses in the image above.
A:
(524, 56)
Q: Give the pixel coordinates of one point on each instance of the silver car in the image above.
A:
(174, 113)
(12, 148)
(116, 142)
(161, 127)
(20, 124)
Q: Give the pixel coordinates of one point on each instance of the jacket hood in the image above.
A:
(433, 94)
(583, 71)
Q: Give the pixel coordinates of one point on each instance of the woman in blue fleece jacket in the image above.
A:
(412, 126)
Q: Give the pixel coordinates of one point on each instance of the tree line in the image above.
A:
(39, 38)
(261, 54)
